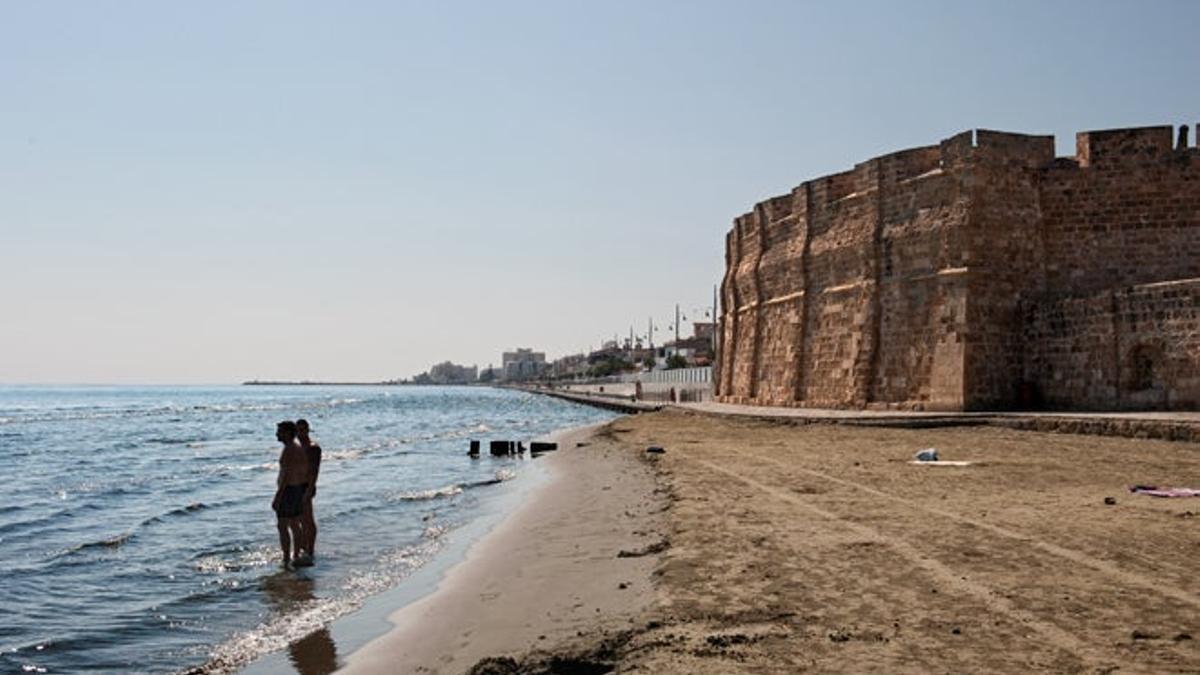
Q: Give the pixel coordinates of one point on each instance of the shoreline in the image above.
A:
(349, 634)
(546, 574)
(369, 638)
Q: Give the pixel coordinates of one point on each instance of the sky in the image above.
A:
(219, 191)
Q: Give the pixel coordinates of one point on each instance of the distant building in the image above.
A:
(450, 373)
(569, 366)
(704, 329)
(522, 364)
(697, 350)
(611, 351)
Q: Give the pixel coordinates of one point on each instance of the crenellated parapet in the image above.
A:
(1121, 148)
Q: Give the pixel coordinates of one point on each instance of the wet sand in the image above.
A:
(820, 548)
(549, 573)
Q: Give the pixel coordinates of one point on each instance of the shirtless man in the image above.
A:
(308, 523)
(290, 490)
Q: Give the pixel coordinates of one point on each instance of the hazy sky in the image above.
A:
(216, 191)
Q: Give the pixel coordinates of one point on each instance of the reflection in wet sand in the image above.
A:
(315, 653)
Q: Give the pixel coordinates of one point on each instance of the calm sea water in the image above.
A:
(136, 532)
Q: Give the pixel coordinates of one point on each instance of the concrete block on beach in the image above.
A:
(502, 448)
(542, 446)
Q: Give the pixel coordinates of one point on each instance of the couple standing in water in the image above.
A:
(299, 464)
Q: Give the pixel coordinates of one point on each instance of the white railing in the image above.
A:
(699, 375)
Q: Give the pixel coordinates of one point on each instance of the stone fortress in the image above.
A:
(979, 273)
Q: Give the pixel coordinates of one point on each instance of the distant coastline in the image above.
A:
(383, 383)
(311, 383)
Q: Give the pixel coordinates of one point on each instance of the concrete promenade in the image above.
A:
(1171, 426)
(865, 415)
(1175, 426)
(617, 403)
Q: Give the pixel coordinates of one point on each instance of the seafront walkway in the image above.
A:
(1167, 425)
(1172, 425)
(832, 413)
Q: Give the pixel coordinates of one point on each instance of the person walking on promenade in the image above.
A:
(308, 521)
(291, 486)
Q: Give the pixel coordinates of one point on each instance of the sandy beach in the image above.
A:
(751, 546)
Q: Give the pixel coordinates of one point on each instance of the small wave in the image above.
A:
(78, 413)
(119, 540)
(342, 455)
(242, 559)
(240, 407)
(421, 495)
(226, 468)
(454, 489)
(21, 526)
(436, 531)
(109, 485)
(485, 483)
(355, 452)
(168, 440)
(181, 511)
(190, 508)
(110, 543)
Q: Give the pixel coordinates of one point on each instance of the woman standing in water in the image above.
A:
(308, 523)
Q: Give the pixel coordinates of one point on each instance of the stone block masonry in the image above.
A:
(979, 273)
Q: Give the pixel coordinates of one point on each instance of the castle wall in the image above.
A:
(922, 289)
(1006, 259)
(727, 329)
(847, 301)
(746, 301)
(781, 273)
(1132, 348)
(840, 283)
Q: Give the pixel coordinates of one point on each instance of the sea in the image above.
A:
(136, 530)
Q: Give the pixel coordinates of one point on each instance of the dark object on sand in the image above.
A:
(495, 665)
(474, 451)
(656, 450)
(542, 446)
(501, 448)
(653, 549)
(1110, 500)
